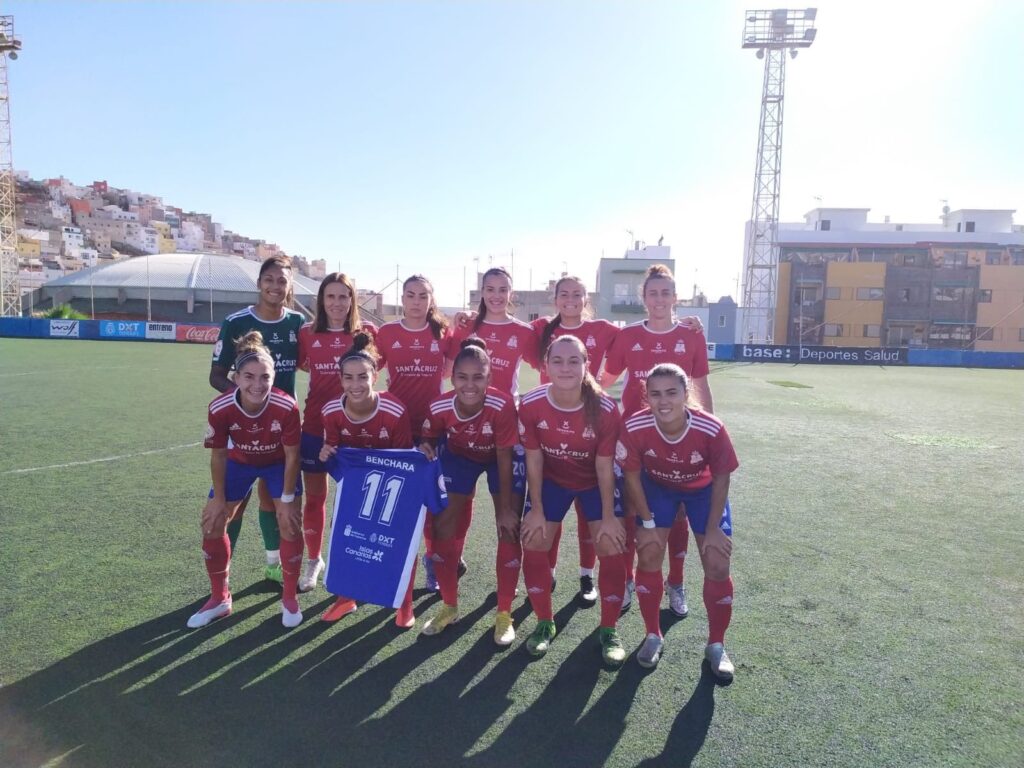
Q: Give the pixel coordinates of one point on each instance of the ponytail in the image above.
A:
(362, 348)
(250, 347)
(591, 392)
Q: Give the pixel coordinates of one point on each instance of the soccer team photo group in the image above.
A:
(639, 477)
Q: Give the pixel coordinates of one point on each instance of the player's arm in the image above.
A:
(609, 525)
(506, 519)
(702, 393)
(635, 496)
(533, 521)
(220, 378)
(216, 509)
(692, 322)
(428, 448)
(714, 537)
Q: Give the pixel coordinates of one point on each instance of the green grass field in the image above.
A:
(879, 620)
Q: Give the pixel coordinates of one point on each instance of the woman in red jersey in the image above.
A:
(637, 349)
(363, 418)
(571, 319)
(569, 429)
(262, 423)
(417, 350)
(321, 345)
(473, 429)
(673, 453)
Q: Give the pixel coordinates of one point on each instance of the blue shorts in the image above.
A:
(310, 446)
(239, 479)
(461, 474)
(664, 504)
(557, 501)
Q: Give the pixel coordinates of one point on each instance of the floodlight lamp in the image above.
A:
(810, 14)
(792, 53)
(760, 53)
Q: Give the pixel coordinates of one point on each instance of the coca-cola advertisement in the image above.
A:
(197, 334)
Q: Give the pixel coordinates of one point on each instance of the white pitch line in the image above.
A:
(100, 461)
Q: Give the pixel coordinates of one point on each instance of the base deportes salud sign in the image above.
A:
(767, 353)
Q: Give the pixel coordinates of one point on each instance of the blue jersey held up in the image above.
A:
(379, 508)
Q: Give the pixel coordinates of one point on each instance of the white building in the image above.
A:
(620, 281)
(145, 239)
(115, 213)
(72, 237)
(189, 237)
(60, 211)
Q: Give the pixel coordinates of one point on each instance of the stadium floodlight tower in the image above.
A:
(771, 34)
(10, 288)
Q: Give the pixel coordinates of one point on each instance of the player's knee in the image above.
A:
(650, 553)
(716, 564)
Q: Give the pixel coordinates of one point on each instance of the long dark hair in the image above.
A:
(352, 322)
(555, 322)
(590, 390)
(482, 309)
(435, 319)
(282, 261)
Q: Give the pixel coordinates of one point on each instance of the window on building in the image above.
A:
(826, 225)
(721, 321)
(1017, 258)
(959, 226)
(870, 294)
(833, 329)
(986, 334)
(807, 294)
(833, 292)
(621, 291)
(969, 226)
(948, 293)
(985, 296)
(954, 258)
(1020, 334)
(993, 257)
(534, 315)
(872, 331)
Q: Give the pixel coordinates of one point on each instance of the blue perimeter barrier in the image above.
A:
(140, 330)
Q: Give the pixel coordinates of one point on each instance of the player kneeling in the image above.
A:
(253, 433)
(673, 453)
(473, 428)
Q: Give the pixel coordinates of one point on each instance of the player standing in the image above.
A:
(637, 349)
(321, 345)
(416, 351)
(570, 429)
(279, 327)
(474, 430)
(364, 418)
(674, 453)
(253, 433)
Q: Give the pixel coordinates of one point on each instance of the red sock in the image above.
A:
(553, 552)
(467, 519)
(537, 574)
(611, 583)
(678, 541)
(291, 562)
(428, 534)
(588, 555)
(404, 617)
(718, 602)
(446, 568)
(649, 591)
(629, 556)
(508, 563)
(217, 553)
(314, 512)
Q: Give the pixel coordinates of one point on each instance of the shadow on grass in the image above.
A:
(159, 694)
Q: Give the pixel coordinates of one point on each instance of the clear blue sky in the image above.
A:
(425, 134)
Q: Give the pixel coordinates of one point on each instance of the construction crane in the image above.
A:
(771, 34)
(10, 285)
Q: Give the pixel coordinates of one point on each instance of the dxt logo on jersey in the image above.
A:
(336, 343)
(566, 429)
(658, 348)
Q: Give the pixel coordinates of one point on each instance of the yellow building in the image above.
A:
(1000, 323)
(28, 248)
(854, 302)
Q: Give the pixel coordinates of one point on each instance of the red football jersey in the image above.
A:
(386, 427)
(415, 361)
(704, 449)
(597, 336)
(508, 343)
(569, 443)
(257, 440)
(637, 349)
(319, 354)
(476, 438)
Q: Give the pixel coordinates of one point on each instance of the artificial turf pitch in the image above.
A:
(879, 619)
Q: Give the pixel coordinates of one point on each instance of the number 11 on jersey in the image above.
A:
(371, 490)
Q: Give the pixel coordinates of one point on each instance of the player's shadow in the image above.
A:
(690, 729)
